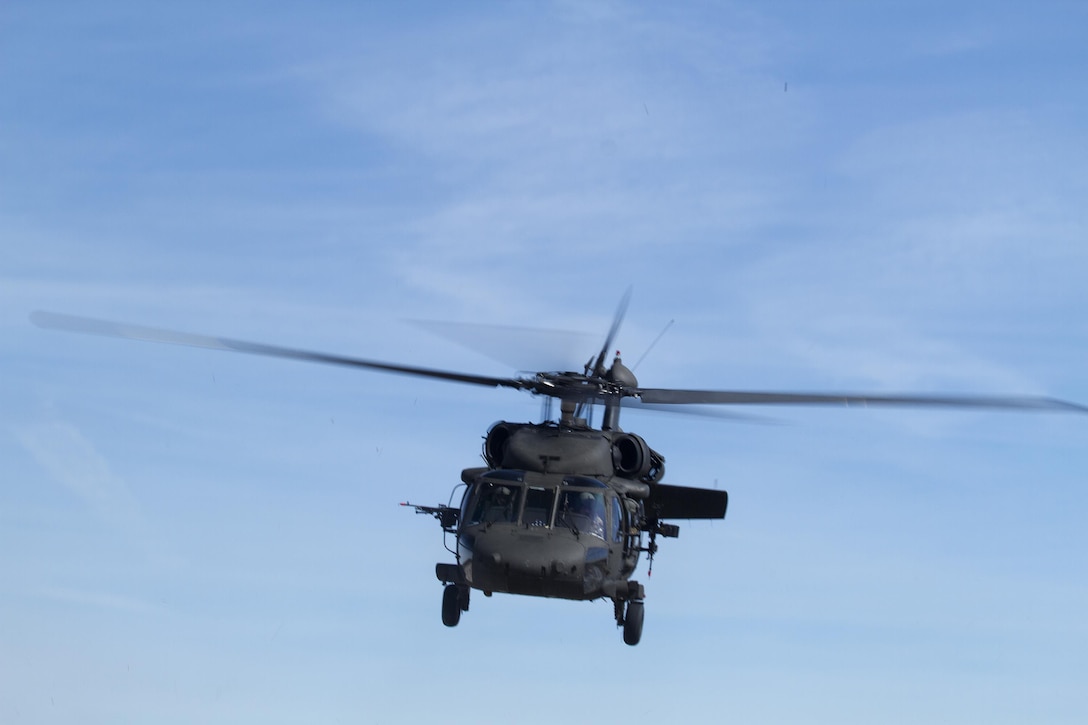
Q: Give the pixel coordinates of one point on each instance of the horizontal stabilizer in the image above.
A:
(685, 502)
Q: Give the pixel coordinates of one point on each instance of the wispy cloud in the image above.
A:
(72, 460)
(101, 600)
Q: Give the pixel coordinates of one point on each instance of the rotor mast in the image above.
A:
(620, 377)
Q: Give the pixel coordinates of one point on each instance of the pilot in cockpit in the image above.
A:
(583, 512)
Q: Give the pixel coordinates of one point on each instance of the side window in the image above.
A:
(617, 520)
(633, 535)
(466, 502)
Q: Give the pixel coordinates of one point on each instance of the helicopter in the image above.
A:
(564, 509)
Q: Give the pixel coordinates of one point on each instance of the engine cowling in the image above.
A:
(633, 458)
(498, 437)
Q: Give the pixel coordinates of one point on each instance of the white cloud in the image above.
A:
(102, 600)
(72, 460)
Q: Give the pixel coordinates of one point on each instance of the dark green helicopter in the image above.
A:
(561, 508)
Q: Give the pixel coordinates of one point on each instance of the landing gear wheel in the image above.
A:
(451, 605)
(632, 623)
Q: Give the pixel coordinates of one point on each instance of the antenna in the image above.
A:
(651, 347)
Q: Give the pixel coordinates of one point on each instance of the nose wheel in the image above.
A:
(632, 623)
(630, 612)
(454, 601)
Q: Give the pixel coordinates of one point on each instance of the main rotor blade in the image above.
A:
(716, 413)
(91, 326)
(621, 310)
(667, 396)
(518, 348)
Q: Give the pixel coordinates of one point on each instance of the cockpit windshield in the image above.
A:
(538, 506)
(582, 512)
(496, 503)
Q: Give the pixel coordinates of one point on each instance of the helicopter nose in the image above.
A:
(528, 555)
(534, 564)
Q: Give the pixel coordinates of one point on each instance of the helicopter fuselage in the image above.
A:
(560, 511)
(546, 534)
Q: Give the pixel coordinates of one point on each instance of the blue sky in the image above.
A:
(854, 196)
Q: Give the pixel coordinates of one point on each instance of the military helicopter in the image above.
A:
(563, 509)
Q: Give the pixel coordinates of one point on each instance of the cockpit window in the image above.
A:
(496, 503)
(538, 506)
(582, 512)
